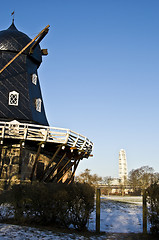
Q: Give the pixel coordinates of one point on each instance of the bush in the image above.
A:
(153, 210)
(50, 204)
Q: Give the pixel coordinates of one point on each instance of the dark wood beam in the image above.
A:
(76, 162)
(61, 169)
(20, 156)
(65, 172)
(35, 163)
(1, 160)
(46, 171)
(74, 170)
(44, 52)
(55, 168)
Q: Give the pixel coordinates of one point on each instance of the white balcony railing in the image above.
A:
(32, 132)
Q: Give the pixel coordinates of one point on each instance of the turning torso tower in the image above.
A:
(123, 171)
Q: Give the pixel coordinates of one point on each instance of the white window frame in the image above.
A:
(34, 78)
(13, 98)
(38, 102)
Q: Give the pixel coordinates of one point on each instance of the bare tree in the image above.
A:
(87, 177)
(107, 181)
(141, 178)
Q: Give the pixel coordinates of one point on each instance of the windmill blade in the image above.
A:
(40, 36)
(38, 40)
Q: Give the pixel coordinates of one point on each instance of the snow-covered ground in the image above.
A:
(8, 232)
(119, 214)
(115, 217)
(127, 199)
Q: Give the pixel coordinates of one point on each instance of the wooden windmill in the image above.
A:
(30, 149)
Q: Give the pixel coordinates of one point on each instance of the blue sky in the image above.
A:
(101, 77)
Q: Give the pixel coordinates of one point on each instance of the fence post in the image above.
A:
(98, 210)
(144, 213)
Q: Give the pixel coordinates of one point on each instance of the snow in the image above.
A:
(8, 232)
(117, 215)
(128, 199)
(19, 233)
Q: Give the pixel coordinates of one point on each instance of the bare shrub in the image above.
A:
(50, 204)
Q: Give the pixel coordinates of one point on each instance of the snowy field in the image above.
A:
(127, 199)
(119, 214)
(116, 216)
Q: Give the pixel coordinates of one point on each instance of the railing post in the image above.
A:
(98, 210)
(144, 213)
(67, 136)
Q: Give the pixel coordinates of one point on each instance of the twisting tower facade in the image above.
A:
(123, 171)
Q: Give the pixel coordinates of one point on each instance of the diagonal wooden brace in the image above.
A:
(61, 169)
(46, 173)
(55, 168)
(35, 163)
(73, 173)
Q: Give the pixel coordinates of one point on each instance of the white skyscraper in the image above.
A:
(123, 171)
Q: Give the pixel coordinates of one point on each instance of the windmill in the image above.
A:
(29, 148)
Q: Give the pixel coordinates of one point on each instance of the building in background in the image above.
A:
(120, 185)
(123, 171)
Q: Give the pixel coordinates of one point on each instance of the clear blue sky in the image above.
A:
(101, 77)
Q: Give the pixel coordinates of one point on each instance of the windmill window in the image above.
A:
(34, 78)
(13, 98)
(38, 104)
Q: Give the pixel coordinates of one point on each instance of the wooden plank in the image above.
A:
(35, 163)
(65, 173)
(20, 156)
(98, 210)
(39, 40)
(73, 173)
(51, 161)
(55, 168)
(144, 212)
(61, 169)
